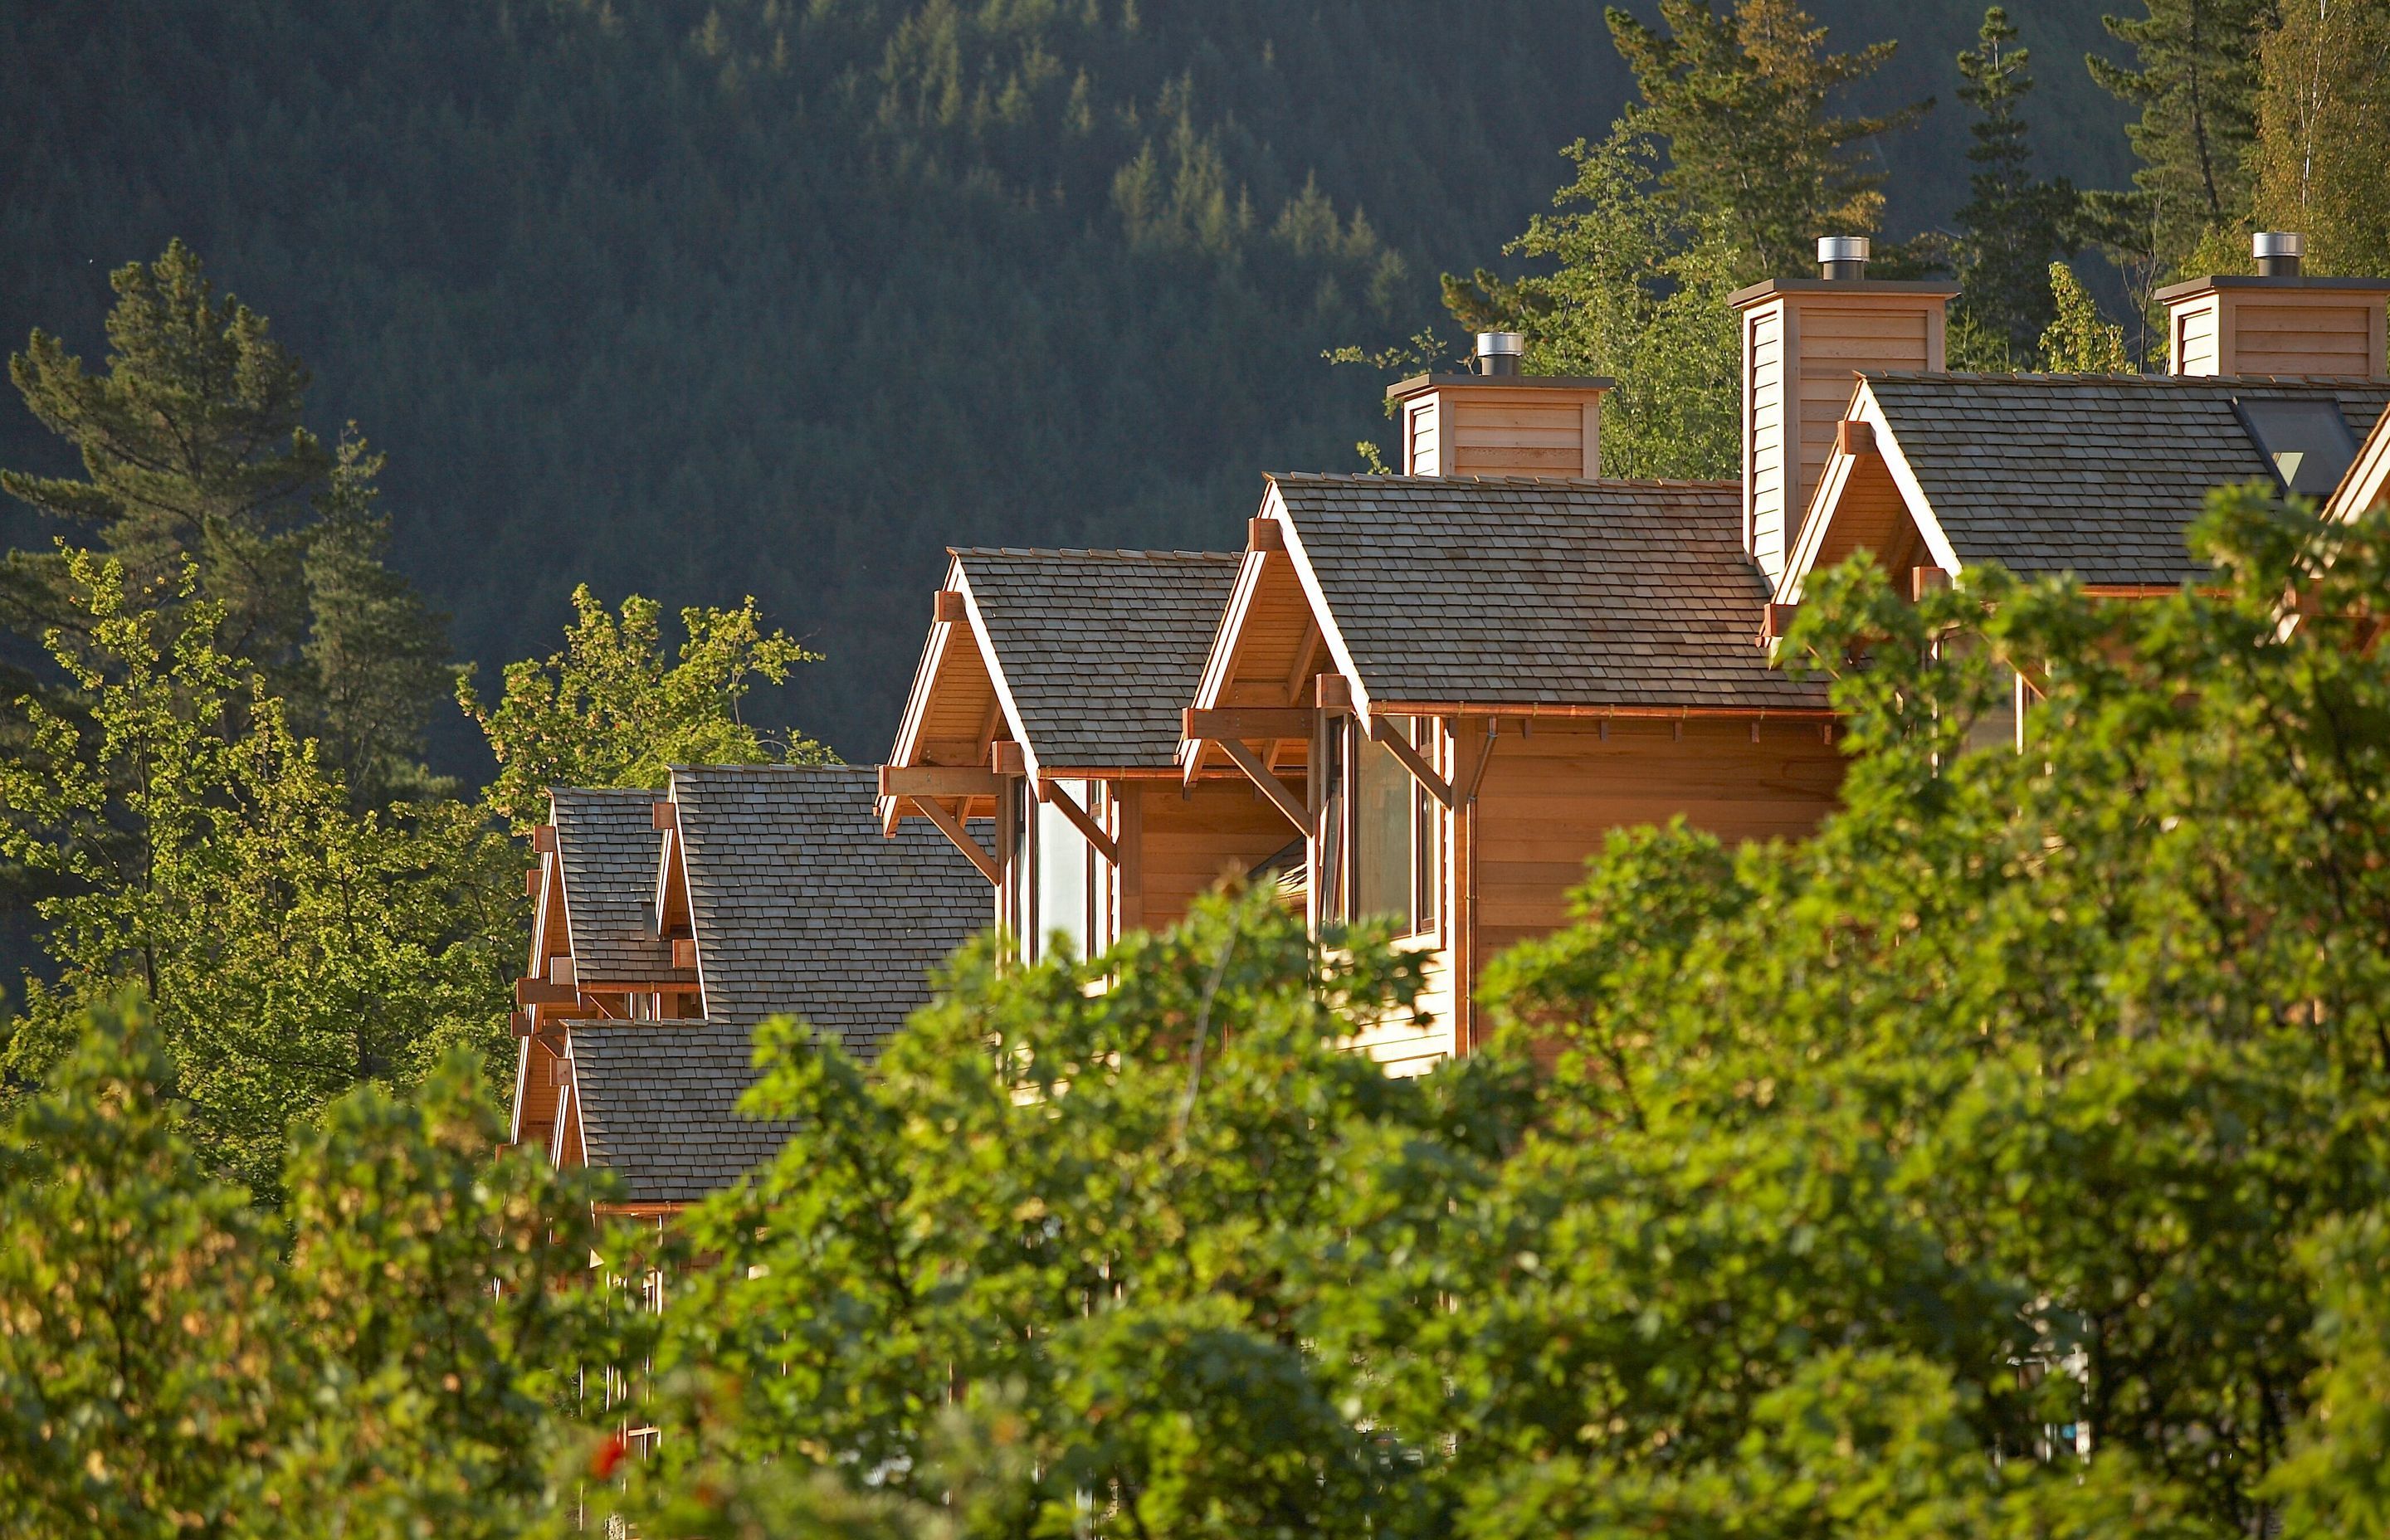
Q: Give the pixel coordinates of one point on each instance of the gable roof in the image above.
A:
(800, 905)
(658, 1105)
(2092, 474)
(605, 846)
(1516, 591)
(2367, 479)
(1096, 652)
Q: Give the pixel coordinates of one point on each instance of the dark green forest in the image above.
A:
(781, 297)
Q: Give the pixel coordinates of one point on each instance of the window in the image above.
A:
(1065, 885)
(1397, 835)
(2306, 442)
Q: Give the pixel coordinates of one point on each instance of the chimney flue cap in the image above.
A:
(2278, 252)
(1842, 256)
(1498, 351)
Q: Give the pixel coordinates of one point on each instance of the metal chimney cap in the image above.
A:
(1491, 344)
(2277, 243)
(1832, 248)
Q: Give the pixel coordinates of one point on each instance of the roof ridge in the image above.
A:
(2173, 381)
(1091, 553)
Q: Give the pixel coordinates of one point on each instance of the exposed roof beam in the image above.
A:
(919, 781)
(1383, 733)
(1271, 787)
(1050, 792)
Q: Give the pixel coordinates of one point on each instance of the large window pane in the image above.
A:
(1063, 873)
(1382, 832)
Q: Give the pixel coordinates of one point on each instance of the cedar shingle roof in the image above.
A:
(1511, 590)
(800, 905)
(607, 844)
(659, 1105)
(2097, 475)
(1100, 648)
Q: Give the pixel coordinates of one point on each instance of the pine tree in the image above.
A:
(1741, 102)
(2197, 89)
(2015, 223)
(195, 450)
(2323, 121)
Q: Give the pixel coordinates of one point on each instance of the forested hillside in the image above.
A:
(782, 296)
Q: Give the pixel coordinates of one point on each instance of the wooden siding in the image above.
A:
(2198, 341)
(1870, 515)
(1484, 429)
(1412, 1046)
(1802, 353)
(1188, 845)
(1549, 800)
(2320, 333)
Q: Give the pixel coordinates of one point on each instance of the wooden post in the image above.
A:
(1470, 748)
(1128, 812)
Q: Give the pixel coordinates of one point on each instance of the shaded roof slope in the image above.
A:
(2097, 475)
(659, 1105)
(1100, 649)
(1502, 591)
(801, 905)
(606, 845)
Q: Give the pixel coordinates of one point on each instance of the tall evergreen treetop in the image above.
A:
(2197, 89)
(2013, 224)
(1744, 103)
(195, 451)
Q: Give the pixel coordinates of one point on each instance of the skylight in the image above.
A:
(2306, 443)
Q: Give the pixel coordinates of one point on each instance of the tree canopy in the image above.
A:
(2005, 1159)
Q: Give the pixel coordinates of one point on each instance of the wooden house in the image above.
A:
(2367, 484)
(739, 893)
(596, 951)
(2275, 376)
(1489, 675)
(1047, 704)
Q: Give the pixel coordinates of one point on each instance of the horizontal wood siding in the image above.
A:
(2198, 339)
(2318, 335)
(1189, 847)
(1802, 351)
(1408, 1046)
(1531, 433)
(1550, 801)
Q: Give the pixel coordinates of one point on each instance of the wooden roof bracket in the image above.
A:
(1271, 787)
(1227, 727)
(1050, 792)
(1385, 734)
(952, 827)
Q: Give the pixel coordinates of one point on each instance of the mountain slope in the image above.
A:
(708, 299)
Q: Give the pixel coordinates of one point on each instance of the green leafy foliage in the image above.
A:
(198, 848)
(2323, 97)
(613, 709)
(2079, 340)
(169, 1371)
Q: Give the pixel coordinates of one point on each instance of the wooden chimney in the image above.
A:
(1803, 341)
(2281, 322)
(1498, 422)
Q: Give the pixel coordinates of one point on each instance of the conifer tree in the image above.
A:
(2323, 122)
(1743, 101)
(2015, 223)
(2196, 85)
(195, 449)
